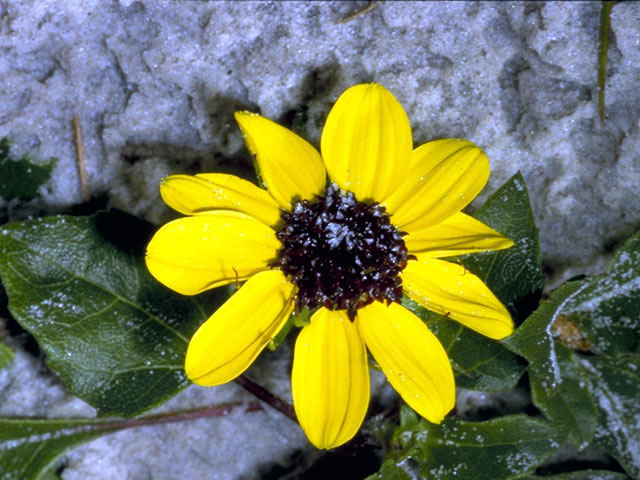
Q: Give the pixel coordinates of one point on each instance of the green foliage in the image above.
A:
(607, 312)
(515, 274)
(391, 470)
(567, 403)
(552, 370)
(21, 178)
(115, 336)
(596, 399)
(614, 384)
(534, 339)
(6, 353)
(588, 399)
(6, 356)
(479, 363)
(502, 448)
(591, 397)
(607, 309)
(30, 448)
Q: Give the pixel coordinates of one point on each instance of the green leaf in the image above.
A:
(6, 355)
(587, 395)
(514, 275)
(615, 385)
(597, 397)
(115, 336)
(569, 405)
(501, 448)
(21, 178)
(534, 339)
(557, 380)
(606, 310)
(29, 449)
(390, 471)
(49, 475)
(479, 363)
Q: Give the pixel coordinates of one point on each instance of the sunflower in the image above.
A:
(347, 248)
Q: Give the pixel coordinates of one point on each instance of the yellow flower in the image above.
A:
(347, 249)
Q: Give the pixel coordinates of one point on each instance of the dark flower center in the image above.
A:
(341, 254)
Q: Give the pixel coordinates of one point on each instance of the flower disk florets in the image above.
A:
(341, 254)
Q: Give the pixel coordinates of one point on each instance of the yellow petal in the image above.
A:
(191, 195)
(366, 142)
(457, 235)
(450, 289)
(193, 254)
(432, 193)
(290, 167)
(330, 379)
(229, 341)
(411, 357)
(434, 152)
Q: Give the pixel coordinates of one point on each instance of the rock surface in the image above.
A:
(155, 84)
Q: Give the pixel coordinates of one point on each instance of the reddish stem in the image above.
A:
(267, 397)
(173, 417)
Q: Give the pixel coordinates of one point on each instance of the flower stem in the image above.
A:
(267, 397)
(172, 417)
(207, 412)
